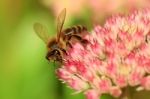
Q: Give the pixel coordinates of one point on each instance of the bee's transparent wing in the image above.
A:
(41, 31)
(60, 23)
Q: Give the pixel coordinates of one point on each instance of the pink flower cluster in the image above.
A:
(117, 56)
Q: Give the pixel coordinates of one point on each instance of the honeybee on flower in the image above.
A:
(116, 59)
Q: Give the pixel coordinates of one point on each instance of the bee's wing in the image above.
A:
(60, 23)
(41, 31)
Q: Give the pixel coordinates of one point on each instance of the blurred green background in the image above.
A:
(24, 71)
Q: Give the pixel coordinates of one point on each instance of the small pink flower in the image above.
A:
(117, 56)
(92, 94)
(115, 91)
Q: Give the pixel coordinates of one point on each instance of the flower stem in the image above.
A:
(127, 93)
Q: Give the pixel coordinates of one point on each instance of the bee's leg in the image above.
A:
(147, 39)
(69, 44)
(84, 41)
(63, 50)
(68, 37)
(59, 59)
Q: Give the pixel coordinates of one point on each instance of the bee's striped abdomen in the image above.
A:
(75, 30)
(73, 34)
(78, 29)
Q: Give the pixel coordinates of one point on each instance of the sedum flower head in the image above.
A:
(117, 56)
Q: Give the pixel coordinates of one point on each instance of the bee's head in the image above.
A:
(54, 51)
(54, 55)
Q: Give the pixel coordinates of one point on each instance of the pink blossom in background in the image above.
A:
(101, 9)
(100, 6)
(111, 6)
(117, 56)
(98, 10)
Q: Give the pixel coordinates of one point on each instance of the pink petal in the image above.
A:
(92, 94)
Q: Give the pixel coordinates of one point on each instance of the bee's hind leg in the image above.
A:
(69, 44)
(83, 41)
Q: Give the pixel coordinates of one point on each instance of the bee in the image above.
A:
(57, 46)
